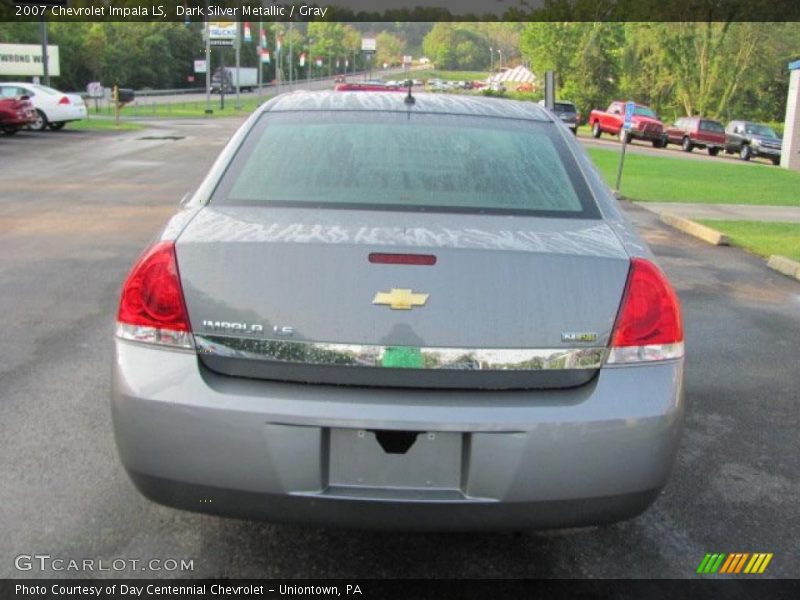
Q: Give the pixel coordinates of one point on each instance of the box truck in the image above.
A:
(248, 79)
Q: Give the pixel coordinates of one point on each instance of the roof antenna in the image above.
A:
(409, 99)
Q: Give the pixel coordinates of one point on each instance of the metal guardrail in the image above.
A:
(148, 101)
(144, 93)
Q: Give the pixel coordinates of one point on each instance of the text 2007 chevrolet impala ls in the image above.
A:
(385, 311)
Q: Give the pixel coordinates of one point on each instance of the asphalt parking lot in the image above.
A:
(75, 211)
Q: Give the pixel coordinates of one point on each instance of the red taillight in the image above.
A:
(151, 307)
(402, 259)
(64, 100)
(649, 324)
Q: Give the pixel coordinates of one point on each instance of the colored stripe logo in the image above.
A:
(732, 564)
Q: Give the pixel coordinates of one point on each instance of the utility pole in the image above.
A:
(238, 43)
(260, 50)
(208, 66)
(291, 52)
(278, 58)
(309, 63)
(45, 58)
(223, 79)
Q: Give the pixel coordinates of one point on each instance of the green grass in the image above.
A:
(447, 75)
(96, 123)
(761, 238)
(663, 179)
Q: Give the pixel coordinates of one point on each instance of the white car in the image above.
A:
(53, 108)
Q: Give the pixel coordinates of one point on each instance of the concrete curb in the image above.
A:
(711, 236)
(784, 265)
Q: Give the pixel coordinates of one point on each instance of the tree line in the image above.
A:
(161, 55)
(719, 69)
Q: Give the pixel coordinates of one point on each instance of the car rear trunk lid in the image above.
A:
(511, 302)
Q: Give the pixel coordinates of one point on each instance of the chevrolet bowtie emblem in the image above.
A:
(400, 299)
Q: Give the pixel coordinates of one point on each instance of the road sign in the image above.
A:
(629, 108)
(26, 60)
(368, 45)
(200, 66)
(95, 89)
(223, 30)
(220, 43)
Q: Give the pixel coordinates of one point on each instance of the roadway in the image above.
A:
(75, 211)
(148, 98)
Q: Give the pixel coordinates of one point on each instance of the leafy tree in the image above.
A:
(551, 46)
(389, 49)
(458, 46)
(585, 57)
(594, 74)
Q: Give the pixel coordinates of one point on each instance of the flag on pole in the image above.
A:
(346, 63)
(302, 59)
(247, 36)
(337, 63)
(278, 44)
(319, 62)
(265, 56)
(263, 39)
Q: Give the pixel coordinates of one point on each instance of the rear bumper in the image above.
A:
(196, 440)
(356, 513)
(648, 135)
(67, 113)
(16, 122)
(699, 143)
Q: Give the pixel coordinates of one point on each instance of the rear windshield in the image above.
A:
(714, 126)
(564, 107)
(404, 161)
(643, 111)
(761, 130)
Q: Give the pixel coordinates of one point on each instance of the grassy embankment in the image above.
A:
(667, 179)
(762, 238)
(662, 179)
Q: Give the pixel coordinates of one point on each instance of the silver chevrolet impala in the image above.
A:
(380, 310)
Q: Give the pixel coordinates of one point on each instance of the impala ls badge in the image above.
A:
(400, 299)
(579, 336)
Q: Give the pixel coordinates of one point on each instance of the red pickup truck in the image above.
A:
(645, 124)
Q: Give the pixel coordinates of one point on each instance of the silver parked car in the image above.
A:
(421, 313)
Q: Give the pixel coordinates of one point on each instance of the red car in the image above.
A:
(645, 124)
(697, 132)
(367, 87)
(16, 112)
